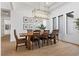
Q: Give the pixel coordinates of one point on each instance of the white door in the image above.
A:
(61, 27)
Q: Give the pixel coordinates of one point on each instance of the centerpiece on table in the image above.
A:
(42, 28)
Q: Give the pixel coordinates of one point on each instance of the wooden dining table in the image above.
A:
(28, 36)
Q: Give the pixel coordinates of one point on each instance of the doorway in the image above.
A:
(5, 24)
(61, 27)
(71, 34)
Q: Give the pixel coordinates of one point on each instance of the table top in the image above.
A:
(26, 34)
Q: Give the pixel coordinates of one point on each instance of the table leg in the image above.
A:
(29, 43)
(55, 40)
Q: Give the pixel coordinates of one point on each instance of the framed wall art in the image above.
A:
(30, 26)
(7, 26)
(30, 22)
(25, 19)
(25, 26)
(28, 19)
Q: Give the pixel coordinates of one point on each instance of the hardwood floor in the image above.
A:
(59, 49)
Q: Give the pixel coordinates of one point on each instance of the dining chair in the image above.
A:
(36, 31)
(35, 39)
(46, 31)
(54, 36)
(44, 37)
(19, 41)
(57, 34)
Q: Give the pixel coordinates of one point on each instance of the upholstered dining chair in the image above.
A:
(46, 31)
(54, 35)
(19, 40)
(35, 38)
(36, 31)
(56, 32)
(44, 37)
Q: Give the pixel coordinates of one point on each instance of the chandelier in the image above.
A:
(41, 13)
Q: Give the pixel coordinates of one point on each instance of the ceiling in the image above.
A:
(38, 4)
(50, 5)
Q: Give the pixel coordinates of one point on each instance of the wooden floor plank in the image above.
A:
(59, 49)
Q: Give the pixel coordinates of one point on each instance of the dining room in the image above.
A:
(39, 28)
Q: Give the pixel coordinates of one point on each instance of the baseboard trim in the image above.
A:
(69, 42)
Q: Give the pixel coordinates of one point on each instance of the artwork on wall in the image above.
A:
(30, 26)
(28, 19)
(30, 22)
(25, 19)
(7, 26)
(25, 26)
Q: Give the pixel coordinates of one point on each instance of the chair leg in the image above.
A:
(16, 47)
(26, 44)
(42, 42)
(39, 43)
(54, 41)
(32, 45)
(51, 41)
(47, 41)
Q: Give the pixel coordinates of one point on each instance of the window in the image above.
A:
(69, 22)
(54, 23)
(60, 17)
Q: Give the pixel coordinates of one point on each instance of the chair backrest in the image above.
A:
(46, 31)
(35, 35)
(15, 35)
(56, 31)
(45, 34)
(36, 31)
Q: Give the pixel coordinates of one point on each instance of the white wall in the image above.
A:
(5, 5)
(0, 29)
(18, 10)
(17, 18)
(68, 7)
(6, 20)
